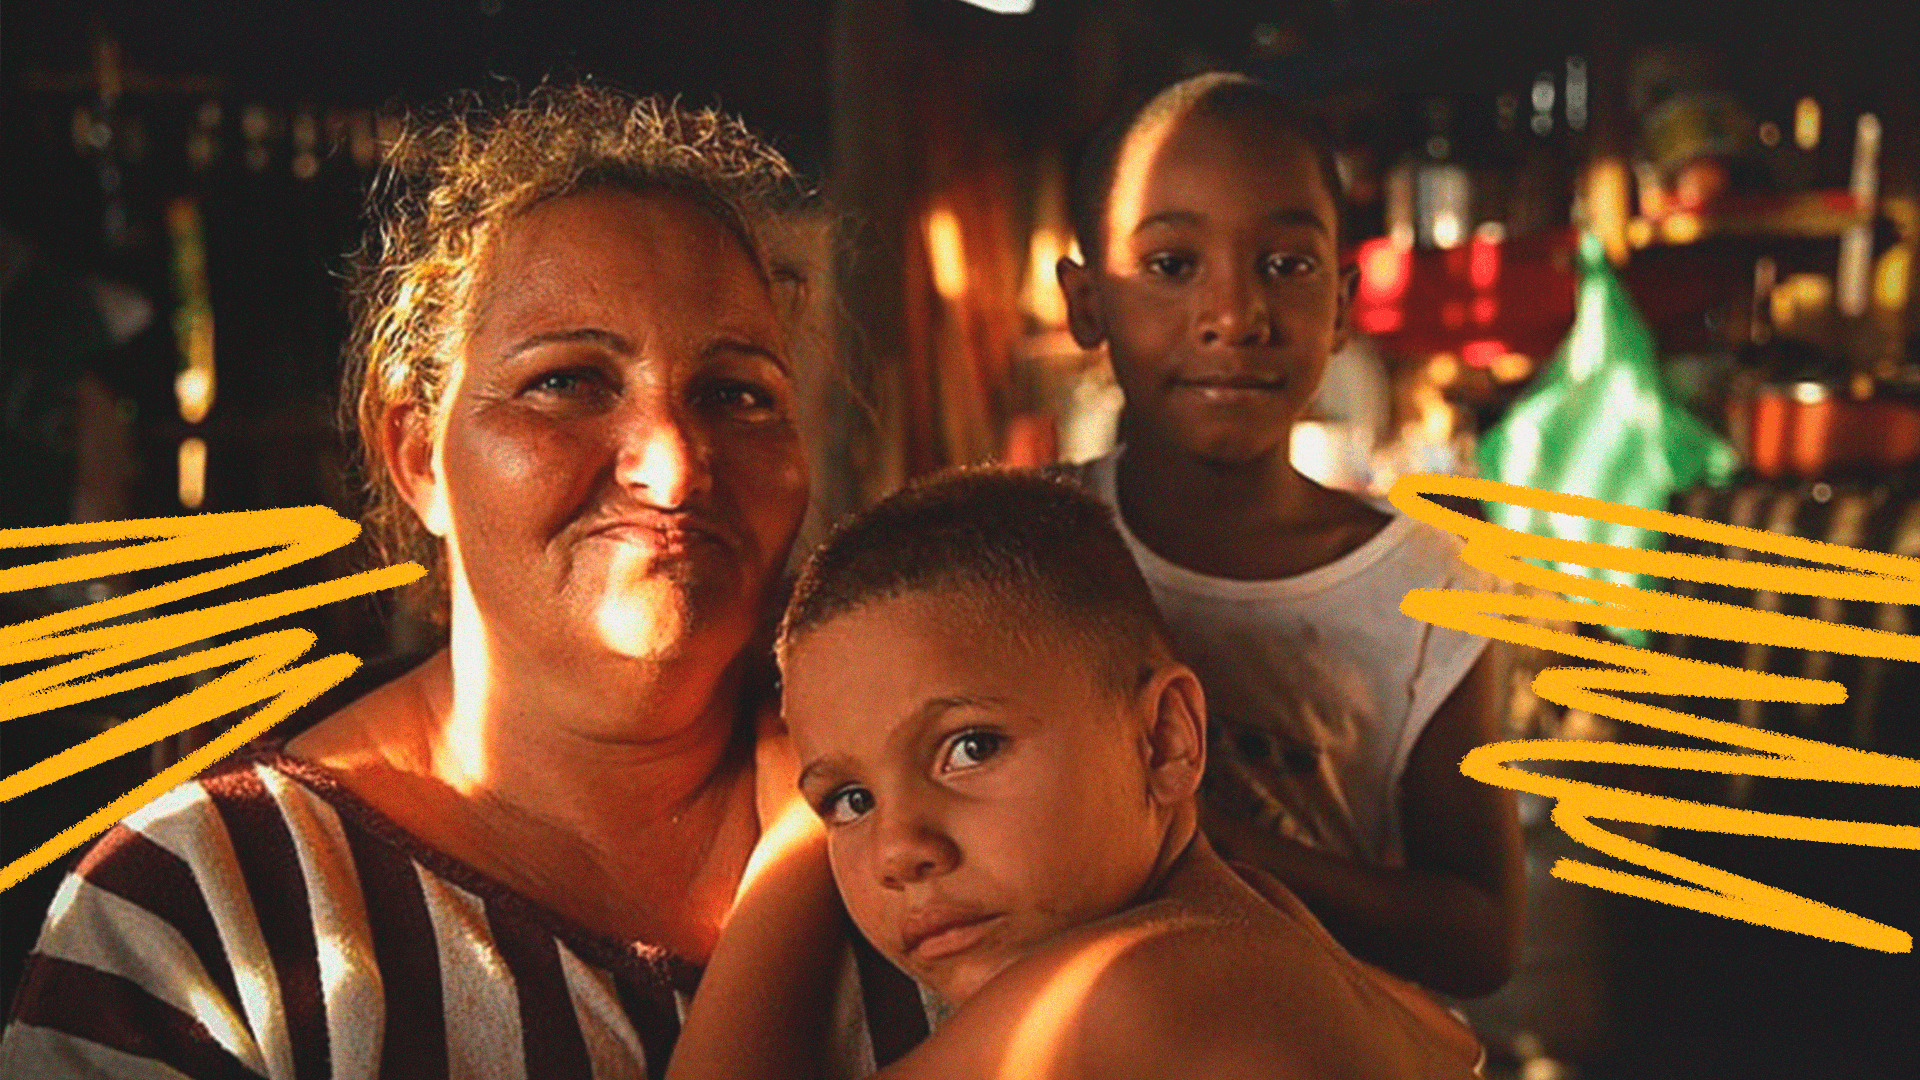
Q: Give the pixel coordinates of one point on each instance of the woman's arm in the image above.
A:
(764, 1003)
(130, 977)
(1451, 918)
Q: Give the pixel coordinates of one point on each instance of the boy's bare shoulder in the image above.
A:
(1240, 994)
(1175, 988)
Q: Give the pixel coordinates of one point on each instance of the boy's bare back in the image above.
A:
(1207, 978)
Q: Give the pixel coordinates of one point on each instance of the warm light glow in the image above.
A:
(1004, 7)
(1386, 265)
(1052, 238)
(1801, 298)
(1435, 421)
(1806, 124)
(1890, 278)
(1511, 367)
(1680, 228)
(194, 390)
(1639, 232)
(1443, 369)
(193, 473)
(1607, 204)
(1448, 230)
(1043, 299)
(946, 252)
(1482, 354)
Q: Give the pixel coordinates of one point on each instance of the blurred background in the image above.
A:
(183, 181)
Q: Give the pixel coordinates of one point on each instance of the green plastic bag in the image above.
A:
(1601, 422)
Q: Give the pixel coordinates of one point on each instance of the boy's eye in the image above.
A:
(1169, 264)
(846, 806)
(1287, 265)
(971, 748)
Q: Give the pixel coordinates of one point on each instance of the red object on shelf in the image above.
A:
(1520, 292)
(1897, 426)
(1772, 417)
(1514, 294)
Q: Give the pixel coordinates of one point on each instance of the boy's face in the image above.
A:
(1219, 293)
(979, 797)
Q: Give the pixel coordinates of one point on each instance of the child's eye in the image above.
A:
(971, 748)
(1169, 264)
(1279, 266)
(845, 806)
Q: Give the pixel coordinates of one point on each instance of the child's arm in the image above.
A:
(1451, 918)
(762, 1009)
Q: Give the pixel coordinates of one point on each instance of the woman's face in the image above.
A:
(616, 464)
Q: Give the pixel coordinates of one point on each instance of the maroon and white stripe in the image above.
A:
(263, 923)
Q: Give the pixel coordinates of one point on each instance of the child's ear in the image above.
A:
(1083, 307)
(407, 434)
(1175, 709)
(1343, 315)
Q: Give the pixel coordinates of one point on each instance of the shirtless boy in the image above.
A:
(999, 760)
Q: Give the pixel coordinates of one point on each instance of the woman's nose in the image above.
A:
(912, 850)
(663, 459)
(1235, 313)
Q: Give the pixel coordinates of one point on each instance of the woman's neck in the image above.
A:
(637, 826)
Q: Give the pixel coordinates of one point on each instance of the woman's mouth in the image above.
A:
(662, 535)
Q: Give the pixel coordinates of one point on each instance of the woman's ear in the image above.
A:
(1083, 308)
(407, 437)
(1174, 709)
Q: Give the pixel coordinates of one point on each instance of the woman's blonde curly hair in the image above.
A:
(448, 183)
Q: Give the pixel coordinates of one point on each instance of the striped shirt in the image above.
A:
(264, 922)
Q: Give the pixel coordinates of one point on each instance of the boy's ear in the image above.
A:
(1083, 307)
(406, 433)
(1175, 710)
(1343, 315)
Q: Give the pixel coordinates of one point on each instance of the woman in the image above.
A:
(576, 405)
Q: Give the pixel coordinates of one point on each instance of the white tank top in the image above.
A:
(1317, 686)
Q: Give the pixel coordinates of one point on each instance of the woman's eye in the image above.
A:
(567, 382)
(971, 748)
(739, 397)
(846, 806)
(1287, 265)
(1169, 265)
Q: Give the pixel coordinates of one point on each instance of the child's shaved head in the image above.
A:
(1221, 95)
(1001, 543)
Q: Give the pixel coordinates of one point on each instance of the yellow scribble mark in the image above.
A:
(1869, 577)
(287, 536)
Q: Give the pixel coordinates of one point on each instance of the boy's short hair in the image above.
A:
(1219, 94)
(1028, 551)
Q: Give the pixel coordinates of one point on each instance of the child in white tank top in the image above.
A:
(1210, 221)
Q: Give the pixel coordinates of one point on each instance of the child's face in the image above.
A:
(1219, 295)
(979, 798)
